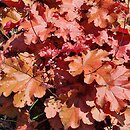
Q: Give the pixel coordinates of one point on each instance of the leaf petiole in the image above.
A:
(33, 105)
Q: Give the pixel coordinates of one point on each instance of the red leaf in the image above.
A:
(10, 25)
(20, 4)
(56, 123)
(79, 94)
(122, 30)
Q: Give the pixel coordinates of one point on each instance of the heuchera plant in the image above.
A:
(65, 64)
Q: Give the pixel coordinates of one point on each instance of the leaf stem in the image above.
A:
(8, 120)
(33, 105)
(35, 117)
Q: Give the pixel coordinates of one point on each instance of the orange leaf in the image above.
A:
(116, 91)
(100, 15)
(52, 107)
(91, 64)
(19, 79)
(12, 15)
(73, 117)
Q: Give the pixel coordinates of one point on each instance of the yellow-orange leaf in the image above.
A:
(20, 80)
(72, 119)
(92, 66)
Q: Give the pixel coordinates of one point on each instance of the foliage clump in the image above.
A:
(65, 64)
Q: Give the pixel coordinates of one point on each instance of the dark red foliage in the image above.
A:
(20, 4)
(65, 64)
